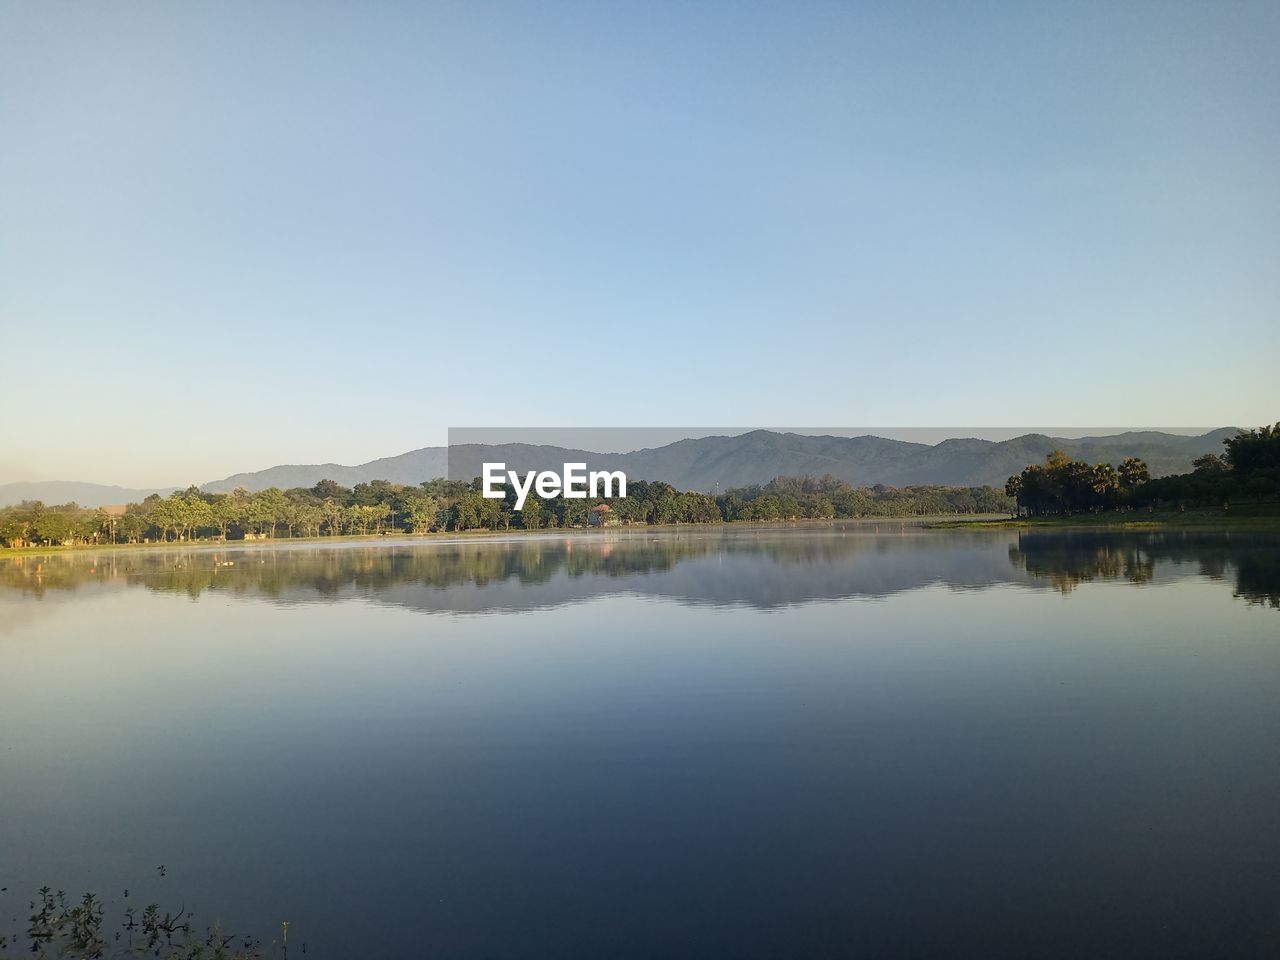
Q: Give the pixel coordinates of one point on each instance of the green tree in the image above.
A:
(197, 514)
(531, 515)
(420, 511)
(1105, 482)
(266, 508)
(54, 527)
(1255, 452)
(228, 511)
(308, 517)
(330, 489)
(1209, 465)
(1133, 473)
(334, 514)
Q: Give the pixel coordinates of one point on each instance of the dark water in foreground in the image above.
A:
(781, 743)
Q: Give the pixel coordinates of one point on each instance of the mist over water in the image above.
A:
(744, 742)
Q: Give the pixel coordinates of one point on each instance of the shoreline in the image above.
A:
(1256, 517)
(462, 536)
(1262, 517)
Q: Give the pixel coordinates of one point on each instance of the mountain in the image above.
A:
(412, 467)
(73, 491)
(757, 457)
(708, 463)
(978, 462)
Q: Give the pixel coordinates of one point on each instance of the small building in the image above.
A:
(602, 515)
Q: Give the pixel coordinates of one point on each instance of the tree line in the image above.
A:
(828, 498)
(1247, 470)
(378, 507)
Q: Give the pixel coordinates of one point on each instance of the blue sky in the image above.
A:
(238, 234)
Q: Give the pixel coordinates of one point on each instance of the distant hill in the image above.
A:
(73, 491)
(706, 463)
(412, 467)
(761, 455)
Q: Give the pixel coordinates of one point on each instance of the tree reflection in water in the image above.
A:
(764, 568)
(1068, 560)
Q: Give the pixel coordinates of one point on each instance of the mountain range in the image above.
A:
(704, 463)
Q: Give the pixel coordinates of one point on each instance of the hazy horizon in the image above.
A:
(238, 235)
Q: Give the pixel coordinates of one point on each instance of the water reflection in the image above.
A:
(761, 568)
(707, 759)
(1252, 562)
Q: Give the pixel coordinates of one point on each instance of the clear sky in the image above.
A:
(239, 234)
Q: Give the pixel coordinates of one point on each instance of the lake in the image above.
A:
(861, 740)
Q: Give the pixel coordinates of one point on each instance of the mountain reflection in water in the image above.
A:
(763, 568)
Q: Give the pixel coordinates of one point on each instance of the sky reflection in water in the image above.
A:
(748, 743)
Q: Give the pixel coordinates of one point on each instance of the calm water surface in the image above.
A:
(740, 743)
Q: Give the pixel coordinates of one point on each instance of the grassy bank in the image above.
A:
(1259, 516)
